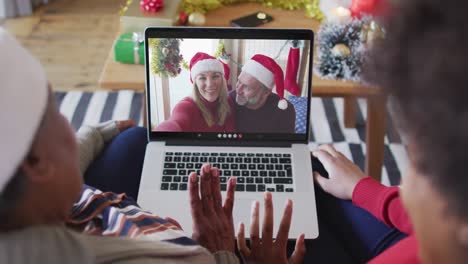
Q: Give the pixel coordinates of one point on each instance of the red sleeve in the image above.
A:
(169, 126)
(383, 202)
(180, 119)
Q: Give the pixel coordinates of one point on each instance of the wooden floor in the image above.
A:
(71, 38)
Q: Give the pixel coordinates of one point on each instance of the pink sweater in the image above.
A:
(385, 203)
(187, 117)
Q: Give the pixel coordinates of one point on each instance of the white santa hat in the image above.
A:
(202, 62)
(23, 100)
(269, 73)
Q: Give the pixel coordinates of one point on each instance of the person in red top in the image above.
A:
(421, 64)
(209, 109)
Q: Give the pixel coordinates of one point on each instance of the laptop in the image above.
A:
(271, 160)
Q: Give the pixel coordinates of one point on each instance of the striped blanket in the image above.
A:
(327, 124)
(116, 215)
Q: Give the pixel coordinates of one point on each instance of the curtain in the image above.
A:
(13, 8)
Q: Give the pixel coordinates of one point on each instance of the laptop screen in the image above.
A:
(228, 84)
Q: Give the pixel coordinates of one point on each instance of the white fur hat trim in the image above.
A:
(260, 72)
(206, 65)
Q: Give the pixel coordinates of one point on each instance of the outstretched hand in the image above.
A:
(343, 174)
(213, 226)
(266, 249)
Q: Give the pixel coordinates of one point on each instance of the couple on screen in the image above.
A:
(251, 107)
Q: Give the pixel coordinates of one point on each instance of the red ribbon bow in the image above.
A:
(151, 5)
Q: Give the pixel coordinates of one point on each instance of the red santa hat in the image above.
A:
(23, 100)
(269, 73)
(202, 62)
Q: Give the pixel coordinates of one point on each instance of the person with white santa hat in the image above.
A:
(42, 163)
(258, 109)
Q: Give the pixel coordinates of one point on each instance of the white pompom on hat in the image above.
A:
(23, 100)
(269, 73)
(202, 62)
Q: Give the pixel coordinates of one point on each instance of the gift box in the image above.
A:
(130, 48)
(136, 20)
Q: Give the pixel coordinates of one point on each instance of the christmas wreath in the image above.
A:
(340, 50)
(166, 60)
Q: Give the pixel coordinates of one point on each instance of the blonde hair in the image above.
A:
(222, 108)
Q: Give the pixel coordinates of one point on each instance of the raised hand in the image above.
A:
(213, 225)
(266, 249)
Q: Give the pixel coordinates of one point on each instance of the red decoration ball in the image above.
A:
(370, 7)
(183, 17)
(151, 5)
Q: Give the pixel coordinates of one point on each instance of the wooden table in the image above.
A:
(117, 76)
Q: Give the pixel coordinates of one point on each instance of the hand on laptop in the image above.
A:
(266, 249)
(213, 225)
(343, 174)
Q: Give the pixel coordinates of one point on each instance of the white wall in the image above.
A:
(2, 8)
(6, 8)
(13, 8)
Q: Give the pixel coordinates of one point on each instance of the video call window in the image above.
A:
(228, 85)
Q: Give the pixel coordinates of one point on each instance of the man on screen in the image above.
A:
(257, 108)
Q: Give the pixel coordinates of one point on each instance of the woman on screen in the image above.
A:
(209, 109)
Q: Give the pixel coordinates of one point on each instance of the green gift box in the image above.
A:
(130, 48)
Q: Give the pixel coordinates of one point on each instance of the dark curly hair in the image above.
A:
(423, 65)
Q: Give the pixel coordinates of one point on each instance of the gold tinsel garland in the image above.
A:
(311, 7)
(124, 8)
(154, 60)
(220, 50)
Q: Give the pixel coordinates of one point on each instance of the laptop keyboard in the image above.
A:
(255, 172)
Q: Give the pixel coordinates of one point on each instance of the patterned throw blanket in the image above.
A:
(110, 214)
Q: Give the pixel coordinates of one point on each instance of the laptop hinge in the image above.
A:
(265, 144)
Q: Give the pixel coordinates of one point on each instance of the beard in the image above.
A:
(241, 100)
(244, 101)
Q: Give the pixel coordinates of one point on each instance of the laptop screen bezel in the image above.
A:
(229, 33)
